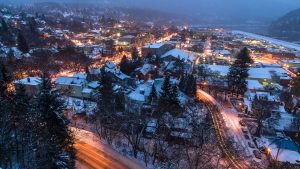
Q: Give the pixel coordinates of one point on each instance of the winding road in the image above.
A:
(93, 154)
(214, 108)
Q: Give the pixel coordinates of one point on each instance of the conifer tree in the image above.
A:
(107, 93)
(237, 75)
(165, 90)
(5, 78)
(134, 54)
(11, 57)
(153, 94)
(55, 148)
(174, 95)
(22, 43)
(124, 65)
(4, 27)
(245, 57)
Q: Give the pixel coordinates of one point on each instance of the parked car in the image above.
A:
(246, 136)
(257, 154)
(242, 123)
(251, 145)
(245, 131)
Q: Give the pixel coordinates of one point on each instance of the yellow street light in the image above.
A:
(268, 150)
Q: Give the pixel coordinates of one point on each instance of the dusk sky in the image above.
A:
(239, 9)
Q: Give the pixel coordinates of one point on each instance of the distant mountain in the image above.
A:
(287, 27)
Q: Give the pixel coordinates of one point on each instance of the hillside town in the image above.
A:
(159, 96)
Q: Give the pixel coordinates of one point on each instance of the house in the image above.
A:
(145, 72)
(77, 86)
(265, 75)
(118, 76)
(151, 127)
(222, 53)
(178, 55)
(176, 60)
(31, 85)
(181, 130)
(136, 100)
(290, 63)
(157, 49)
(254, 85)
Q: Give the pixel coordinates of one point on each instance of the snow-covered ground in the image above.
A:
(80, 105)
(269, 40)
(281, 154)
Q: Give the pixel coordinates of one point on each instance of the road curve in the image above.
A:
(93, 158)
(212, 104)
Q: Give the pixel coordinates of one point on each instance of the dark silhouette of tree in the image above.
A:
(238, 73)
(168, 100)
(5, 78)
(295, 89)
(55, 141)
(174, 95)
(22, 43)
(125, 65)
(11, 57)
(153, 94)
(4, 27)
(245, 57)
(134, 54)
(107, 94)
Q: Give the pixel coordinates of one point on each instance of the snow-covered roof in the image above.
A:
(110, 65)
(95, 71)
(80, 75)
(254, 72)
(144, 90)
(94, 84)
(34, 81)
(128, 36)
(154, 45)
(254, 84)
(117, 73)
(146, 68)
(151, 125)
(295, 61)
(222, 52)
(179, 54)
(63, 80)
(221, 69)
(87, 90)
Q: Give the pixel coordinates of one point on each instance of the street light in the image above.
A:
(268, 150)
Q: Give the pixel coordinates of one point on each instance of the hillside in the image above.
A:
(287, 27)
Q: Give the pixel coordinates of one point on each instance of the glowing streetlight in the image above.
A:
(268, 150)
